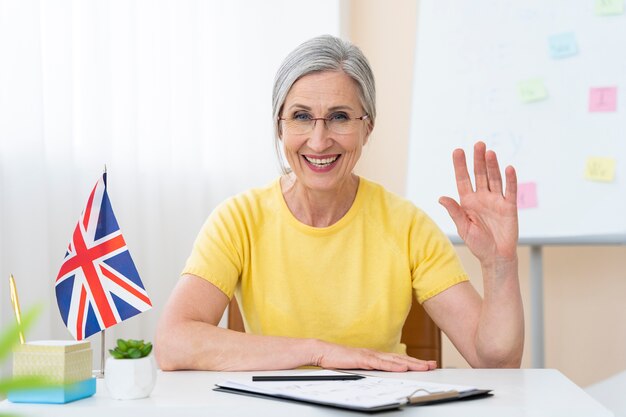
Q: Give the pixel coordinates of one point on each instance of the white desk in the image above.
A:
(526, 392)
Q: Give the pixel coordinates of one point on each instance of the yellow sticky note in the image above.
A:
(600, 169)
(609, 7)
(532, 90)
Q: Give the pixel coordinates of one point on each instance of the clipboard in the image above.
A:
(369, 394)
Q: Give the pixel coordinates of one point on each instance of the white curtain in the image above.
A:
(173, 96)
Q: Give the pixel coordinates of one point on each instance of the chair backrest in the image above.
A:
(420, 334)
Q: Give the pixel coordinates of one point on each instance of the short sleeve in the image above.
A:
(435, 264)
(217, 251)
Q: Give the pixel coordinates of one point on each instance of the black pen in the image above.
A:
(346, 377)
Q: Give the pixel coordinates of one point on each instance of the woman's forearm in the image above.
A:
(500, 334)
(202, 346)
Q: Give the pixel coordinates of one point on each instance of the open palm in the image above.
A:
(486, 218)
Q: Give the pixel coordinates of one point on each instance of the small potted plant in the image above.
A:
(130, 372)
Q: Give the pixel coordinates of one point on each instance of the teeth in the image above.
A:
(321, 162)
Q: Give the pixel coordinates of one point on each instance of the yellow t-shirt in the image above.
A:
(351, 283)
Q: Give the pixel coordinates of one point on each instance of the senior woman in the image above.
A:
(325, 263)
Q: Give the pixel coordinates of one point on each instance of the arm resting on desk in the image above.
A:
(188, 338)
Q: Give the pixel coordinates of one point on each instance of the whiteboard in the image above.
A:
(476, 62)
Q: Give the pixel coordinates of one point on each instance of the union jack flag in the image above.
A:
(98, 285)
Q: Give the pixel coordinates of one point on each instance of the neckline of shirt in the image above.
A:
(341, 223)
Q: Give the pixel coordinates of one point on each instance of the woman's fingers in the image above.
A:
(511, 184)
(480, 167)
(493, 172)
(341, 357)
(463, 181)
(456, 213)
(399, 363)
(487, 174)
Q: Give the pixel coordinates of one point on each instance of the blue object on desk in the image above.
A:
(55, 395)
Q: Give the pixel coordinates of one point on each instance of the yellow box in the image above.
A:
(59, 361)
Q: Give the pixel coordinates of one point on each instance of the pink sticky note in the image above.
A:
(602, 99)
(526, 195)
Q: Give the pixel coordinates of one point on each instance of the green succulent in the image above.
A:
(131, 349)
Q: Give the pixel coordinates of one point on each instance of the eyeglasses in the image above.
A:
(340, 123)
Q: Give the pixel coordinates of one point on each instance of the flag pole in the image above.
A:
(102, 334)
(102, 349)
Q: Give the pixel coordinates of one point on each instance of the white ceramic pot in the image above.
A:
(129, 379)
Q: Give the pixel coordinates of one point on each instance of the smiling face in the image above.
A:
(322, 159)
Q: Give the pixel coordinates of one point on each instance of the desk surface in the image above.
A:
(525, 392)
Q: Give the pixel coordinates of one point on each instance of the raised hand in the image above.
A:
(486, 217)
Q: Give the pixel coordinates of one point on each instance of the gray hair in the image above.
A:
(323, 53)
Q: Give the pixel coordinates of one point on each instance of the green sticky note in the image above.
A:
(609, 7)
(532, 90)
(600, 169)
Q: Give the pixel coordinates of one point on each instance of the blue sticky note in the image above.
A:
(563, 45)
